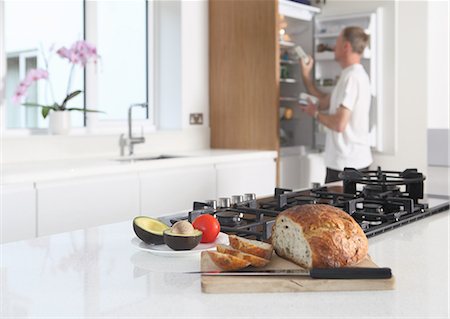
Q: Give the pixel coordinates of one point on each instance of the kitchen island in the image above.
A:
(98, 272)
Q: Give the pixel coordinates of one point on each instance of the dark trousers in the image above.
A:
(333, 175)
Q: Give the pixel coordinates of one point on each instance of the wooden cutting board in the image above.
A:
(252, 284)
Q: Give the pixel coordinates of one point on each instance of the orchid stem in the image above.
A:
(70, 79)
(45, 58)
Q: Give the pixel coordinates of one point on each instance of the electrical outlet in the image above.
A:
(196, 118)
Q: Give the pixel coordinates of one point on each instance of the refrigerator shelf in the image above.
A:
(287, 44)
(288, 99)
(288, 80)
(288, 61)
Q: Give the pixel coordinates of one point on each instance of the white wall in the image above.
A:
(438, 82)
(168, 64)
(195, 62)
(438, 67)
(411, 84)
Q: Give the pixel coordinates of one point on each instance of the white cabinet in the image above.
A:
(252, 176)
(18, 212)
(169, 191)
(290, 172)
(85, 202)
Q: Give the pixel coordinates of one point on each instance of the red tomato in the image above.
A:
(209, 226)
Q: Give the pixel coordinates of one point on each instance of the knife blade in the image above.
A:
(315, 273)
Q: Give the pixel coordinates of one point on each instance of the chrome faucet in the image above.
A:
(130, 140)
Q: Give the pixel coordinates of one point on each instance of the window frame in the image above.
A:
(92, 124)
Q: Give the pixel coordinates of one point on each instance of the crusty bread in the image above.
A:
(228, 262)
(253, 247)
(255, 261)
(318, 236)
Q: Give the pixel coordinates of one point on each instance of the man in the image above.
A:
(347, 142)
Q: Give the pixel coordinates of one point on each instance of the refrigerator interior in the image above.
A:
(296, 128)
(301, 138)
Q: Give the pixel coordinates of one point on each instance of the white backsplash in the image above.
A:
(47, 147)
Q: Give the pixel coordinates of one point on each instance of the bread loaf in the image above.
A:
(318, 236)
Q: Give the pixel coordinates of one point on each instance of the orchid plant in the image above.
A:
(80, 53)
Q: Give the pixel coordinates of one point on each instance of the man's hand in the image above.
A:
(306, 68)
(309, 109)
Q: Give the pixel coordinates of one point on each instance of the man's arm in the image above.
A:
(324, 99)
(336, 122)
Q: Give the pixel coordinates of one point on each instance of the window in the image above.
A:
(31, 29)
(119, 30)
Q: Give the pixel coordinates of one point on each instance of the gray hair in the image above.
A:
(357, 38)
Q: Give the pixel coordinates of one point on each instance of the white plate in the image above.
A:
(164, 250)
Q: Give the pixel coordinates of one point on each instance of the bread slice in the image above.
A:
(253, 247)
(319, 236)
(255, 261)
(228, 262)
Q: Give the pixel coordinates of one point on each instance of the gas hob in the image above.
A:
(378, 200)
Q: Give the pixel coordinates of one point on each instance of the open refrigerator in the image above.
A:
(302, 139)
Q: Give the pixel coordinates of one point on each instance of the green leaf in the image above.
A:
(70, 96)
(45, 111)
(34, 104)
(83, 110)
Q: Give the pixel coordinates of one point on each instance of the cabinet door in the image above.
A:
(256, 176)
(169, 191)
(86, 202)
(18, 210)
(290, 172)
(243, 74)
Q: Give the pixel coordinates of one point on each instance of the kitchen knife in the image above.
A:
(316, 273)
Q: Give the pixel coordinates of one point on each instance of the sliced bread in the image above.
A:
(255, 261)
(227, 262)
(253, 247)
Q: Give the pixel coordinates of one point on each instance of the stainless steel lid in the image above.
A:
(236, 199)
(249, 196)
(211, 203)
(223, 202)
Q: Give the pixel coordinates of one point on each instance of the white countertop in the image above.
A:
(61, 169)
(99, 273)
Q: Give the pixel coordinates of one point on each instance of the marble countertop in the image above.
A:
(70, 168)
(98, 272)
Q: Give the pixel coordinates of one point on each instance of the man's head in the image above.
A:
(350, 45)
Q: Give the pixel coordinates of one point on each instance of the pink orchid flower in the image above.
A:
(81, 52)
(32, 76)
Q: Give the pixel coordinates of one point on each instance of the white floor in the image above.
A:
(438, 180)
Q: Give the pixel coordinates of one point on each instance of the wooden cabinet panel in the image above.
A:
(243, 79)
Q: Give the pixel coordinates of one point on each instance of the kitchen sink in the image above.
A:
(146, 158)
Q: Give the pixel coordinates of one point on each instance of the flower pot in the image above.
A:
(59, 122)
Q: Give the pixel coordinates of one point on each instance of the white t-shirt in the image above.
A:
(350, 148)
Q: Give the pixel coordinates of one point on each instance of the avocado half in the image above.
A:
(149, 230)
(182, 241)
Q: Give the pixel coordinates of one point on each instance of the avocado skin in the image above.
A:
(146, 236)
(178, 242)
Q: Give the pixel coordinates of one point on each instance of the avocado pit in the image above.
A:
(182, 236)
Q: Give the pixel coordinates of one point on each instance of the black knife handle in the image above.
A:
(351, 273)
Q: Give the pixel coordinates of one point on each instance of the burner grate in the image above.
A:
(385, 200)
